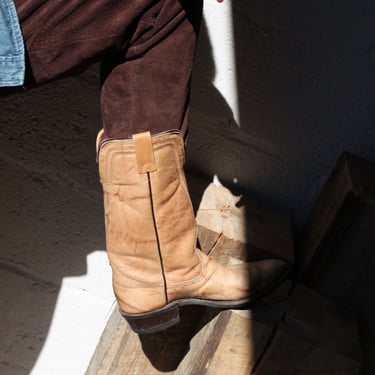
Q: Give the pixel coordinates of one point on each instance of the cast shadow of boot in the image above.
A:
(167, 349)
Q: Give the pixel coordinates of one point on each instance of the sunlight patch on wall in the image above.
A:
(219, 20)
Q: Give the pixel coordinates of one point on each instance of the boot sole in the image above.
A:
(169, 315)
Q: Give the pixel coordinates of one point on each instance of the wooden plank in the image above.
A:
(288, 355)
(340, 226)
(209, 340)
(295, 330)
(191, 347)
(316, 335)
(207, 239)
(109, 337)
(265, 232)
(336, 247)
(151, 354)
(323, 322)
(302, 329)
(230, 341)
(316, 323)
(240, 347)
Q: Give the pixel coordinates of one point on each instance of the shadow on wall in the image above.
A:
(51, 210)
(306, 78)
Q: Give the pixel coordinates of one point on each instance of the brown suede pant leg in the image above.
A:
(146, 48)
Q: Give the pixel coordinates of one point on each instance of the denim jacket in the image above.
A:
(12, 52)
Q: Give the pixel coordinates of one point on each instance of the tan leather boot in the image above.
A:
(151, 238)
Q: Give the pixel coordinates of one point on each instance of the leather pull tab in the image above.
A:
(144, 152)
(98, 139)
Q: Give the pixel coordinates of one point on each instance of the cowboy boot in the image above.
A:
(151, 238)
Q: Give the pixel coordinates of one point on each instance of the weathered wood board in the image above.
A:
(212, 350)
(292, 325)
(288, 355)
(306, 332)
(197, 345)
(262, 232)
(340, 227)
(336, 250)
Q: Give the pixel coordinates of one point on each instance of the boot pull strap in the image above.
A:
(144, 152)
(98, 139)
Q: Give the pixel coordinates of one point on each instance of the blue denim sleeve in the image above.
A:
(12, 52)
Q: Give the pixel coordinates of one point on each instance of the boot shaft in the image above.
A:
(150, 223)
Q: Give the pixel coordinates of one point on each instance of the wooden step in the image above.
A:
(210, 341)
(340, 228)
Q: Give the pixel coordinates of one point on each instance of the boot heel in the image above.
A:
(153, 321)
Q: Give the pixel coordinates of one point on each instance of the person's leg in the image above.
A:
(147, 87)
(150, 223)
(147, 50)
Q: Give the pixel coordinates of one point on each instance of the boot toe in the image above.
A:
(265, 275)
(254, 280)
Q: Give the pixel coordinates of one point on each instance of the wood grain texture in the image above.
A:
(336, 250)
(293, 331)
